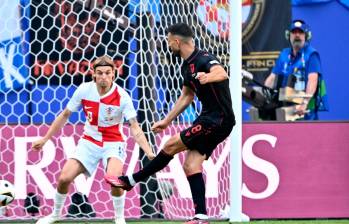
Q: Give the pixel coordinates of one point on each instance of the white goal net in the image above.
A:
(46, 50)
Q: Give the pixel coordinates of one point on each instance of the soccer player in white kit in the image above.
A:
(105, 105)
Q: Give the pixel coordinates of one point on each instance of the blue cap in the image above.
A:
(298, 24)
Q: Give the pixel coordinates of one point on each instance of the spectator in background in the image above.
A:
(302, 61)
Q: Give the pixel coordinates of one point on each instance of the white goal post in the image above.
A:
(235, 214)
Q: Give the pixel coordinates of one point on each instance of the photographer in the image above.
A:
(302, 61)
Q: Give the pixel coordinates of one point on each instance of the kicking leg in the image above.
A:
(173, 146)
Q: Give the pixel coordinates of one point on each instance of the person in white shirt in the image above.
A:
(105, 105)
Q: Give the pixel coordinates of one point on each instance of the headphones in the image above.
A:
(300, 24)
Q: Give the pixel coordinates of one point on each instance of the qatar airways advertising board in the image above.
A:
(290, 170)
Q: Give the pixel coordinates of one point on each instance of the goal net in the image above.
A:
(46, 50)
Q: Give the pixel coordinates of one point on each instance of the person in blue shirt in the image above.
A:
(302, 61)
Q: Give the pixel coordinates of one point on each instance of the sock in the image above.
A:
(131, 180)
(58, 203)
(158, 163)
(197, 187)
(119, 205)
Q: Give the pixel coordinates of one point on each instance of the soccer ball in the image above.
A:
(7, 193)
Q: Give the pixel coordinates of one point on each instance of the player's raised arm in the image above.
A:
(139, 137)
(216, 74)
(183, 101)
(57, 124)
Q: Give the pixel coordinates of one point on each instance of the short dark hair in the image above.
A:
(103, 61)
(181, 29)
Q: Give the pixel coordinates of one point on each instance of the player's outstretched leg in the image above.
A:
(127, 182)
(121, 182)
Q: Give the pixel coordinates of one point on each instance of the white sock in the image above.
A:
(119, 204)
(131, 180)
(58, 203)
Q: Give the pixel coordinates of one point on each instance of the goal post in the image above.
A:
(235, 213)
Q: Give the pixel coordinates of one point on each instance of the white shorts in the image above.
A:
(89, 154)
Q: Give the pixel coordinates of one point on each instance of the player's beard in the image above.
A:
(176, 53)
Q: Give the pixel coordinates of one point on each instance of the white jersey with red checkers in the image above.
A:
(104, 114)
